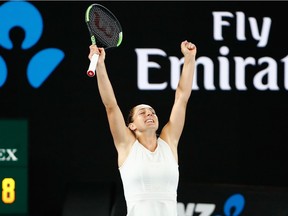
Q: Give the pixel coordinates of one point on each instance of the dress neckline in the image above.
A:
(146, 149)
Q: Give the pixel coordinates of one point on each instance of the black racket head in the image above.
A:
(105, 29)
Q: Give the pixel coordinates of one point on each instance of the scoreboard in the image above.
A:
(13, 167)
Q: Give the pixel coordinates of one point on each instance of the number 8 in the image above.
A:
(8, 190)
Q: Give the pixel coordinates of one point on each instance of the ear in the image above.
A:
(132, 127)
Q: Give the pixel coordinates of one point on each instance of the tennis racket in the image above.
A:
(105, 31)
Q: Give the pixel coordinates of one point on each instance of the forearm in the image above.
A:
(105, 87)
(186, 79)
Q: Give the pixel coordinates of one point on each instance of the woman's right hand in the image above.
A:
(96, 50)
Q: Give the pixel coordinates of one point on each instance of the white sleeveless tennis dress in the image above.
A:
(150, 181)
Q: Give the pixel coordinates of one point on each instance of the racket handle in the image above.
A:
(92, 66)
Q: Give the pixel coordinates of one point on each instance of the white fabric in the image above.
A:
(150, 181)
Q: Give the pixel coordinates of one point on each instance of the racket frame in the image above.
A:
(94, 59)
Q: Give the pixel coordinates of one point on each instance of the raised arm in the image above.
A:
(171, 132)
(122, 136)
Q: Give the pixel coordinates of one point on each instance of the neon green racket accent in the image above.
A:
(93, 40)
(87, 13)
(120, 39)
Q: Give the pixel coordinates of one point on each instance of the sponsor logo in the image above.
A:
(25, 15)
(8, 155)
(233, 206)
(224, 72)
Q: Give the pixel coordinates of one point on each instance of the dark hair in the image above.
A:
(130, 117)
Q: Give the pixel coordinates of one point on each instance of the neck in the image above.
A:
(150, 142)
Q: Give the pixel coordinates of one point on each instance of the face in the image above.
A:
(143, 117)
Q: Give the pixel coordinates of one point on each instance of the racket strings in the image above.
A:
(105, 27)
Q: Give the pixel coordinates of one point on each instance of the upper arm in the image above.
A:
(122, 136)
(172, 131)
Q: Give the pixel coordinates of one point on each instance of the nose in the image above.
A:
(149, 113)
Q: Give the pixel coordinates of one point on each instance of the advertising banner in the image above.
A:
(236, 120)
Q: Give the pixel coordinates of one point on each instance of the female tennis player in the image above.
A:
(148, 163)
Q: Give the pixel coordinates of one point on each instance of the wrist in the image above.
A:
(189, 58)
(100, 65)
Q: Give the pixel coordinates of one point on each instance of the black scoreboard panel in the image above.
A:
(14, 167)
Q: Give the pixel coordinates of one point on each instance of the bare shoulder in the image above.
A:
(173, 145)
(123, 148)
